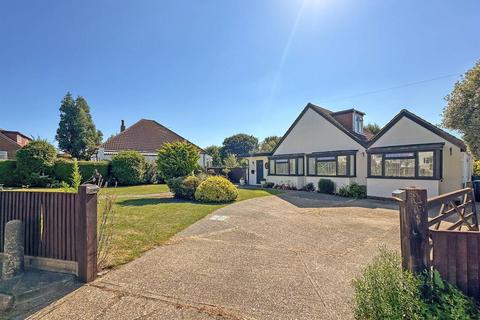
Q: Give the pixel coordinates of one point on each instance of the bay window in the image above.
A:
(411, 162)
(332, 164)
(288, 165)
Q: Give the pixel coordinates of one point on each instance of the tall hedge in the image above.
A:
(63, 169)
(128, 167)
(7, 173)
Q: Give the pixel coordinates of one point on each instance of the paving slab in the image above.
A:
(279, 257)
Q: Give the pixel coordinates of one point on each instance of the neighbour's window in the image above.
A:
(352, 165)
(326, 167)
(292, 166)
(425, 164)
(300, 166)
(400, 167)
(281, 166)
(376, 165)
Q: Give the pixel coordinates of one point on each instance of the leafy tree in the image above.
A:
(214, 151)
(269, 143)
(230, 161)
(177, 159)
(76, 133)
(35, 162)
(373, 128)
(462, 111)
(239, 144)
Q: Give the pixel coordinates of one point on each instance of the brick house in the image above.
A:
(10, 142)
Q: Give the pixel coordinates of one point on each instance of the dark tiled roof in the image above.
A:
(4, 137)
(144, 136)
(427, 125)
(15, 132)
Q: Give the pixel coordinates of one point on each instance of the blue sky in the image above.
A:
(209, 69)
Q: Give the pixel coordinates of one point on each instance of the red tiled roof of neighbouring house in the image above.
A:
(146, 136)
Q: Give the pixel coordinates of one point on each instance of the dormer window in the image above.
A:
(358, 123)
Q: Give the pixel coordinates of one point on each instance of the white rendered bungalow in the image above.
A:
(408, 151)
(320, 143)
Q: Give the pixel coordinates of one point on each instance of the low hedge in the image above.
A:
(216, 189)
(184, 187)
(7, 173)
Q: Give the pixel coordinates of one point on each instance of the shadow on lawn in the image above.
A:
(151, 201)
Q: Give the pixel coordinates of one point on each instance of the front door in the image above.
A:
(259, 171)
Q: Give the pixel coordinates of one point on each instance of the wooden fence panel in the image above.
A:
(456, 256)
(47, 218)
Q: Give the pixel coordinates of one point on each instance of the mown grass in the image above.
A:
(141, 223)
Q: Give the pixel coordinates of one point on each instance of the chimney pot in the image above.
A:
(122, 126)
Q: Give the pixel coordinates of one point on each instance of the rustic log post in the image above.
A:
(414, 235)
(87, 233)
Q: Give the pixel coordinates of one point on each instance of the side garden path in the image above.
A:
(290, 256)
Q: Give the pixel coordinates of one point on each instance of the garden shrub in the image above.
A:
(151, 175)
(310, 187)
(35, 163)
(268, 185)
(8, 175)
(177, 159)
(87, 169)
(326, 186)
(184, 187)
(216, 189)
(385, 291)
(128, 167)
(476, 168)
(354, 190)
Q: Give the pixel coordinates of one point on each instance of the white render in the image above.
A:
(313, 133)
(457, 164)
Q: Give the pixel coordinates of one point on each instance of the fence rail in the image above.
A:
(58, 226)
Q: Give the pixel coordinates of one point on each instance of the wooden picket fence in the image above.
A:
(61, 226)
(449, 242)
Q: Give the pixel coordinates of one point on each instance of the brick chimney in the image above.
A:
(122, 126)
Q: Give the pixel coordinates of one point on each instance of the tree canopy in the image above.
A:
(76, 133)
(214, 151)
(373, 128)
(269, 143)
(462, 112)
(239, 144)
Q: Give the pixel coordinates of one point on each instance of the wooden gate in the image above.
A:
(449, 241)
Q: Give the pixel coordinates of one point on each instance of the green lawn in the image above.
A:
(121, 191)
(141, 223)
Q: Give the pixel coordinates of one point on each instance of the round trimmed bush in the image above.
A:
(326, 186)
(128, 167)
(35, 162)
(216, 189)
(184, 187)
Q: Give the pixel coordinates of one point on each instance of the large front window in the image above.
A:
(286, 166)
(335, 163)
(414, 164)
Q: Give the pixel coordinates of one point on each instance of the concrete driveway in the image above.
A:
(291, 256)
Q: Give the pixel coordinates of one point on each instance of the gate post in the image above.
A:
(86, 233)
(414, 237)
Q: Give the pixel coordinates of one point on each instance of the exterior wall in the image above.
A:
(9, 147)
(313, 133)
(22, 141)
(339, 181)
(408, 132)
(384, 187)
(296, 181)
(252, 169)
